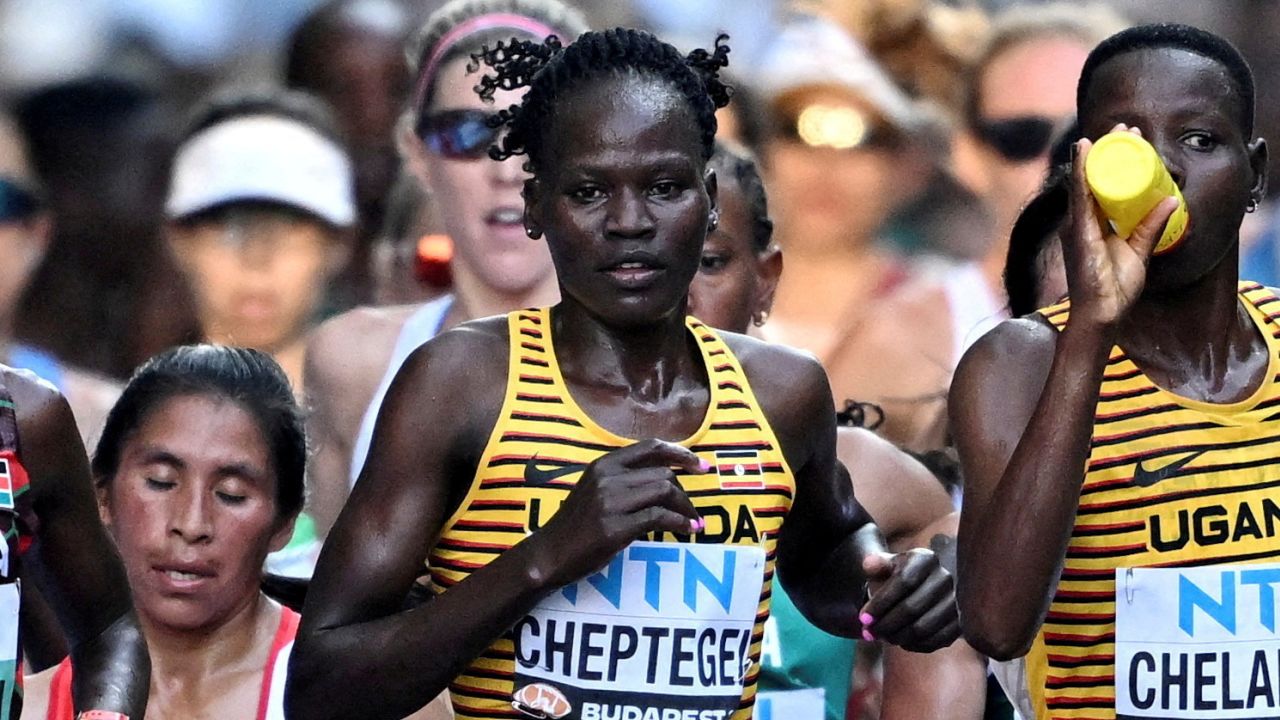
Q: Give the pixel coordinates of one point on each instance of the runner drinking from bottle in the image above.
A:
(1131, 429)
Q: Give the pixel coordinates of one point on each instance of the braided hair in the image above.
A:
(551, 70)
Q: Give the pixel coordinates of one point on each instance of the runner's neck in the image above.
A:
(184, 661)
(648, 364)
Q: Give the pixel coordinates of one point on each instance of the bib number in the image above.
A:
(662, 633)
(1197, 642)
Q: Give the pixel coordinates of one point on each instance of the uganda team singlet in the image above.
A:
(672, 626)
(1166, 604)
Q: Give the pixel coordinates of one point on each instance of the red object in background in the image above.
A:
(431, 263)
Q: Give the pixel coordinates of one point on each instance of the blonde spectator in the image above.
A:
(352, 358)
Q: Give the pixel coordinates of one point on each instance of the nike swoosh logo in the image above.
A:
(537, 476)
(1144, 477)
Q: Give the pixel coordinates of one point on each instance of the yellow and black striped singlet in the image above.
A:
(1170, 482)
(541, 427)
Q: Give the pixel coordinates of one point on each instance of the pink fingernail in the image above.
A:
(866, 618)
(868, 636)
(704, 466)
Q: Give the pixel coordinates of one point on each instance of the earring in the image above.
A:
(1253, 205)
(533, 234)
(760, 318)
(713, 220)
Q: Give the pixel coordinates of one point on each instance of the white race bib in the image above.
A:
(802, 704)
(662, 633)
(1197, 642)
(10, 594)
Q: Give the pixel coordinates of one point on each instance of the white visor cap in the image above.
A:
(265, 158)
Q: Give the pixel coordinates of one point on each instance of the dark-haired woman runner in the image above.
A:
(600, 489)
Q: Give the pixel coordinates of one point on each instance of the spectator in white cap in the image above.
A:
(845, 151)
(260, 212)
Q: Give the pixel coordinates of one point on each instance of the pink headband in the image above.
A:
(472, 26)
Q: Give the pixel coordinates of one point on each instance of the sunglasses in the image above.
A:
(17, 202)
(835, 127)
(1018, 139)
(458, 134)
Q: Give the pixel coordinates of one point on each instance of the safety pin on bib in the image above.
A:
(1128, 589)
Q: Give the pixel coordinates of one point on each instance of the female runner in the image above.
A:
(599, 489)
(199, 475)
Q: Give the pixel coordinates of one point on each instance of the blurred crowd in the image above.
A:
(246, 173)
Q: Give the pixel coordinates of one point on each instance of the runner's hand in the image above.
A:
(621, 497)
(912, 601)
(1105, 272)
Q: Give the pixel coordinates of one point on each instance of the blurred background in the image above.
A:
(97, 92)
(898, 139)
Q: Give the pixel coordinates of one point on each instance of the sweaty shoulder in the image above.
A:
(469, 350)
(792, 390)
(50, 442)
(41, 409)
(355, 345)
(1004, 369)
(462, 371)
(780, 375)
(1030, 334)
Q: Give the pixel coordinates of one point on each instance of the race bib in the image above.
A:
(1197, 642)
(803, 704)
(9, 604)
(662, 633)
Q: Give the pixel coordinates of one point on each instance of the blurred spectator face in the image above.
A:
(24, 226)
(1026, 97)
(479, 200)
(24, 236)
(258, 270)
(836, 169)
(353, 58)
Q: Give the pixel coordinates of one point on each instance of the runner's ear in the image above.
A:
(531, 192)
(283, 534)
(103, 493)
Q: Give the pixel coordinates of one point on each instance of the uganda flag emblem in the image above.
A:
(740, 469)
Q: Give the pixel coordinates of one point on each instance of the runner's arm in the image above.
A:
(819, 553)
(430, 435)
(950, 682)
(336, 398)
(902, 496)
(354, 632)
(1022, 409)
(74, 562)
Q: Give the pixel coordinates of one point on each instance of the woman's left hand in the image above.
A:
(912, 601)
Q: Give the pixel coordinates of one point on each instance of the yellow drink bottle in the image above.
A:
(1128, 179)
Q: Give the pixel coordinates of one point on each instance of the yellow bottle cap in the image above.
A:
(1121, 167)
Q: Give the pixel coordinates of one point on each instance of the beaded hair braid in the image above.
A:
(550, 69)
